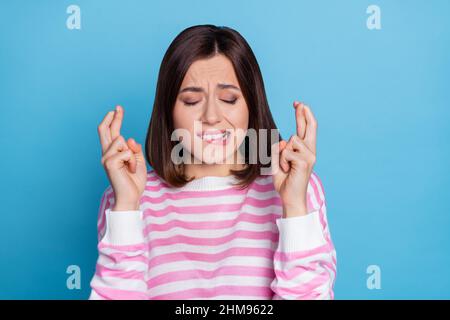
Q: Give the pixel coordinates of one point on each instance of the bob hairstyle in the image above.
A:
(201, 42)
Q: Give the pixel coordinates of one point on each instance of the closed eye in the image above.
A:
(190, 103)
(229, 101)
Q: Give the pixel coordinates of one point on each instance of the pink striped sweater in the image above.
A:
(210, 240)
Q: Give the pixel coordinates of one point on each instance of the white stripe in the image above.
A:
(241, 243)
(192, 202)
(213, 216)
(119, 283)
(180, 266)
(108, 251)
(312, 196)
(319, 187)
(173, 192)
(123, 265)
(288, 265)
(302, 278)
(95, 296)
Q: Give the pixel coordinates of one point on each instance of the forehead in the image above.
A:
(215, 69)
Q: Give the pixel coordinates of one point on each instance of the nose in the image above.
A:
(211, 113)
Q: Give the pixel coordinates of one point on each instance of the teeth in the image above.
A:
(215, 136)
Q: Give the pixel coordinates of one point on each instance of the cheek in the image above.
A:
(239, 116)
(182, 118)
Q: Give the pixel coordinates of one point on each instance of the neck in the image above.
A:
(202, 170)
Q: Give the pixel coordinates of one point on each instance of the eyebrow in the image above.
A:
(220, 86)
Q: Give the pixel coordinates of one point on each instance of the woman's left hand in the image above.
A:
(293, 164)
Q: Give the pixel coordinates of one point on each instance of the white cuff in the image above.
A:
(300, 233)
(123, 227)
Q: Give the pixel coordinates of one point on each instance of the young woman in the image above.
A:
(214, 225)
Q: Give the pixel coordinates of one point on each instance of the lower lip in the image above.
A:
(217, 141)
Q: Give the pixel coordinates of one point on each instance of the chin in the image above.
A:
(212, 157)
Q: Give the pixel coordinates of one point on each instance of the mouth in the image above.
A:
(215, 136)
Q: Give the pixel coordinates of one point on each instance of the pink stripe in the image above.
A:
(238, 291)
(211, 257)
(212, 225)
(322, 207)
(288, 256)
(316, 191)
(103, 271)
(133, 248)
(309, 204)
(320, 183)
(239, 234)
(118, 257)
(243, 271)
(296, 270)
(289, 274)
(225, 207)
(191, 194)
(305, 290)
(105, 204)
(262, 187)
(116, 294)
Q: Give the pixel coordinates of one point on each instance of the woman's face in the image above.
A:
(211, 108)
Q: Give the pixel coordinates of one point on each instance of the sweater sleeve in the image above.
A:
(122, 264)
(305, 258)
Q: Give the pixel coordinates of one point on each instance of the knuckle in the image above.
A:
(121, 139)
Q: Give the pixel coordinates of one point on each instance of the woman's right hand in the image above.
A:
(123, 161)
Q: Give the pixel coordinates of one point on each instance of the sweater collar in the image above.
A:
(210, 183)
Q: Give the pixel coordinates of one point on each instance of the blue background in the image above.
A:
(381, 98)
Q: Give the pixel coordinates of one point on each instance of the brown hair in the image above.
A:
(194, 43)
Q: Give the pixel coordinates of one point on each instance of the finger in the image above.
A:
(119, 160)
(132, 162)
(118, 145)
(276, 150)
(284, 165)
(117, 122)
(104, 132)
(300, 119)
(275, 157)
(283, 144)
(311, 130)
(137, 151)
(295, 159)
(284, 159)
(134, 146)
(298, 145)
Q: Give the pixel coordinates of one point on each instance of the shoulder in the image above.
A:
(155, 185)
(315, 190)
(153, 179)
